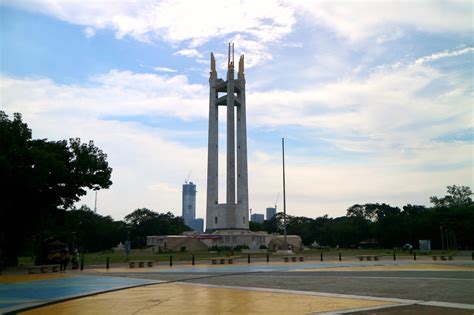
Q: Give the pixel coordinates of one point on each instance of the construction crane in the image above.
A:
(187, 178)
(276, 200)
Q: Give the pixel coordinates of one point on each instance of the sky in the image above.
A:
(373, 98)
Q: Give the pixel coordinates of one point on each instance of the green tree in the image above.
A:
(275, 224)
(139, 216)
(145, 222)
(256, 226)
(39, 178)
(372, 211)
(457, 196)
(454, 213)
(301, 226)
(362, 211)
(85, 230)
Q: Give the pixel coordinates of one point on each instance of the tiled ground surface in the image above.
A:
(237, 289)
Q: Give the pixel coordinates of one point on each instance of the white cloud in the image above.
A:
(317, 186)
(116, 92)
(357, 20)
(177, 22)
(444, 54)
(384, 118)
(255, 26)
(89, 32)
(188, 53)
(164, 69)
(255, 51)
(379, 106)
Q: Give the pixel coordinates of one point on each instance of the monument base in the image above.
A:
(240, 238)
(232, 239)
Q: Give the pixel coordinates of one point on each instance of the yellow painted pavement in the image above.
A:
(195, 299)
(22, 278)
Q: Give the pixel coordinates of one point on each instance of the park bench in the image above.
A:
(292, 258)
(43, 268)
(140, 263)
(222, 260)
(368, 257)
(443, 257)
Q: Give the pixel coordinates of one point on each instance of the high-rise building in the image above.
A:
(197, 225)
(189, 203)
(257, 217)
(229, 94)
(271, 212)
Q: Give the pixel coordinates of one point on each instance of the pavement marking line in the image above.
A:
(373, 308)
(389, 278)
(401, 267)
(448, 304)
(198, 299)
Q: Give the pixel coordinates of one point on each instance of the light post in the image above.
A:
(127, 247)
(284, 194)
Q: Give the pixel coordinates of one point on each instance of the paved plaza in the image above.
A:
(407, 287)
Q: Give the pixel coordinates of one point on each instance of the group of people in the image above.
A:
(65, 257)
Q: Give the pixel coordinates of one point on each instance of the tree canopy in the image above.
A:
(382, 225)
(144, 222)
(38, 178)
(458, 196)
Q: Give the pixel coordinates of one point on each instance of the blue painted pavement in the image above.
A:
(14, 296)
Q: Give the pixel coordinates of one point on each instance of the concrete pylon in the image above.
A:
(234, 213)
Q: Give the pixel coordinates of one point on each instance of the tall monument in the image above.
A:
(234, 213)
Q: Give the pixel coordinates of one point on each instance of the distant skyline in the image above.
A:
(374, 99)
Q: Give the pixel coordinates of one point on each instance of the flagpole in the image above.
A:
(284, 193)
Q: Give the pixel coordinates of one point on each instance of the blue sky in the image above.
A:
(374, 99)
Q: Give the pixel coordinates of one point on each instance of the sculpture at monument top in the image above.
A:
(240, 75)
(213, 73)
